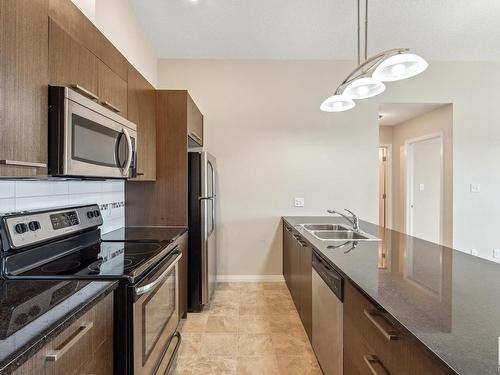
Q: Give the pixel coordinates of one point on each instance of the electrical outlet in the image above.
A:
(299, 202)
(496, 253)
(475, 188)
(473, 252)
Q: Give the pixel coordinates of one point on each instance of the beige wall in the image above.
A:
(116, 20)
(272, 143)
(438, 121)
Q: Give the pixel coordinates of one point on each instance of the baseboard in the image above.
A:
(249, 278)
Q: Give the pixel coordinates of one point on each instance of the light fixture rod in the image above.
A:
(366, 29)
(359, 37)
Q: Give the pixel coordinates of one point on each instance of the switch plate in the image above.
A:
(421, 187)
(299, 202)
(475, 188)
(473, 252)
(496, 253)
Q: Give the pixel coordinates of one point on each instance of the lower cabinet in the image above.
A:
(183, 277)
(85, 347)
(297, 270)
(375, 344)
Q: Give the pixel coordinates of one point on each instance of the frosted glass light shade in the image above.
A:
(400, 66)
(337, 103)
(363, 88)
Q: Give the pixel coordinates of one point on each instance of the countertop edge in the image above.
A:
(56, 328)
(424, 346)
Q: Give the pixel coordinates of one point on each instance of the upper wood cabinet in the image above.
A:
(70, 63)
(194, 122)
(141, 111)
(112, 90)
(23, 87)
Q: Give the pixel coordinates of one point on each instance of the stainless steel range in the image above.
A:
(66, 244)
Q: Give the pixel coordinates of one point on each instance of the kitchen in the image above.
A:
(101, 102)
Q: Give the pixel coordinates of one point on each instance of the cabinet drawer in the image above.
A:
(371, 339)
(85, 347)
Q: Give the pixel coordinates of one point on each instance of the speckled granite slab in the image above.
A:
(449, 300)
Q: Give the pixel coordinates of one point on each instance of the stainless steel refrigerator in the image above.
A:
(202, 251)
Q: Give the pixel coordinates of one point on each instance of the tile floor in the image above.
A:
(249, 328)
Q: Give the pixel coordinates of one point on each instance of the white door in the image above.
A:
(424, 189)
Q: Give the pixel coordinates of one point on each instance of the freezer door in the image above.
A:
(208, 219)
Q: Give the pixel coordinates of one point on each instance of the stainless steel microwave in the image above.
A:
(87, 139)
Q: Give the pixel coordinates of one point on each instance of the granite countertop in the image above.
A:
(449, 300)
(34, 312)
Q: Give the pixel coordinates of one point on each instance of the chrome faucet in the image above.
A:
(353, 220)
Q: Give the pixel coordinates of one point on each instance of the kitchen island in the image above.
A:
(446, 301)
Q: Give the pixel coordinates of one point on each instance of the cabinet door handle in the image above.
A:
(18, 163)
(111, 106)
(372, 316)
(84, 91)
(195, 136)
(288, 229)
(57, 354)
(302, 243)
(140, 174)
(375, 365)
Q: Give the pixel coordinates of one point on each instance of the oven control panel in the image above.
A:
(27, 228)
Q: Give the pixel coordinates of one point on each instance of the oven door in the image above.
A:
(156, 316)
(96, 145)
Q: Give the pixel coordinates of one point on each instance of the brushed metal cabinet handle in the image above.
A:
(375, 365)
(55, 355)
(111, 106)
(372, 317)
(18, 163)
(84, 91)
(288, 229)
(194, 135)
(302, 243)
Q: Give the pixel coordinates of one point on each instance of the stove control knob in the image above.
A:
(34, 311)
(21, 228)
(97, 213)
(90, 214)
(34, 225)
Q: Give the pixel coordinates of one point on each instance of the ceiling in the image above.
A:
(319, 29)
(396, 113)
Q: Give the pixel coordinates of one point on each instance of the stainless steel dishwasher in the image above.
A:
(327, 308)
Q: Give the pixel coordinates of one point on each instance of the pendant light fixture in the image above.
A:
(367, 79)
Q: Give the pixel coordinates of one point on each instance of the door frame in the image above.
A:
(409, 177)
(388, 189)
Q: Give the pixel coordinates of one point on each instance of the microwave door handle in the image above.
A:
(130, 151)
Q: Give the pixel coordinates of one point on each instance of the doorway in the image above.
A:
(384, 160)
(424, 187)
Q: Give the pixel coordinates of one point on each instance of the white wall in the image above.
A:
(117, 21)
(29, 195)
(272, 143)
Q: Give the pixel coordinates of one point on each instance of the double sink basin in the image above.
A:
(337, 232)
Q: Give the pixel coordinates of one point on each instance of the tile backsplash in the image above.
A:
(29, 195)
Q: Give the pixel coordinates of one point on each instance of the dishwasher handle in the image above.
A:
(331, 277)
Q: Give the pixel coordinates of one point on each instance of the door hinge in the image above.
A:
(384, 158)
(384, 196)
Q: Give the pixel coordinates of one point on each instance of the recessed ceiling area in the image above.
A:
(448, 30)
(391, 114)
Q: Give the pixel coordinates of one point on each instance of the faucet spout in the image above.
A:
(353, 220)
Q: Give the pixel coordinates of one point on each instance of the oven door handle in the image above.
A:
(126, 168)
(148, 287)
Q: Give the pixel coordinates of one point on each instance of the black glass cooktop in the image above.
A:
(144, 234)
(102, 260)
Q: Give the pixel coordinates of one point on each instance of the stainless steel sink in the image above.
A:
(342, 235)
(321, 227)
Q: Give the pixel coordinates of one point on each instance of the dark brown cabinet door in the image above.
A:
(288, 242)
(70, 63)
(141, 111)
(194, 122)
(23, 87)
(112, 90)
(295, 291)
(306, 287)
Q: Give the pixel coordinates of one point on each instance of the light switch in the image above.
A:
(496, 253)
(421, 187)
(299, 202)
(473, 252)
(475, 188)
